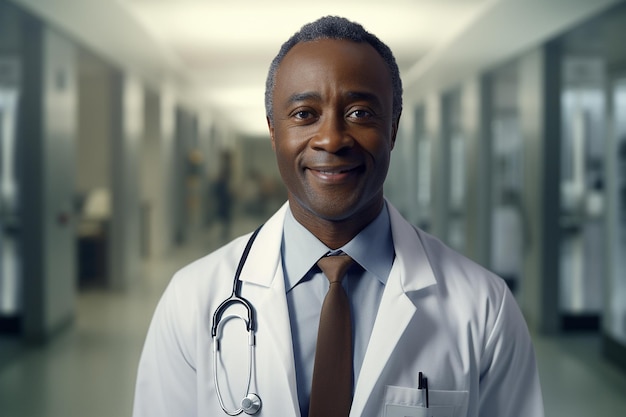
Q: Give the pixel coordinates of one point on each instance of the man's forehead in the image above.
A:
(319, 46)
(333, 52)
(313, 66)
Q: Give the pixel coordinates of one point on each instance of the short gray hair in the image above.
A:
(334, 27)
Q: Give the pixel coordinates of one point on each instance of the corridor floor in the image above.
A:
(89, 369)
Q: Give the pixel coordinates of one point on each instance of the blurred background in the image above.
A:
(133, 140)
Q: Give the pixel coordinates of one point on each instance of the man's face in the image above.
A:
(333, 129)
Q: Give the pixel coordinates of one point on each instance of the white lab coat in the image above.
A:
(440, 314)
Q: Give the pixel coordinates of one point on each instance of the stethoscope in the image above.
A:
(251, 403)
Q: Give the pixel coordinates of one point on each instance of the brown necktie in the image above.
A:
(331, 390)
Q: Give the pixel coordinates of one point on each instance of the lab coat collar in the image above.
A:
(416, 271)
(264, 258)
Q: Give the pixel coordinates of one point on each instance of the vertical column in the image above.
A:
(539, 87)
(186, 138)
(423, 173)
(440, 178)
(167, 111)
(474, 121)
(614, 319)
(127, 106)
(152, 179)
(453, 139)
(47, 146)
(180, 194)
(11, 280)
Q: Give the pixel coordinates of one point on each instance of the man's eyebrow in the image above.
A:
(363, 95)
(352, 95)
(294, 98)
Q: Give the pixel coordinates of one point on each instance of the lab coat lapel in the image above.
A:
(410, 272)
(264, 287)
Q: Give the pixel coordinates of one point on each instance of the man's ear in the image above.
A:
(270, 126)
(394, 130)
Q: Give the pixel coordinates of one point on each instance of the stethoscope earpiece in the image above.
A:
(251, 404)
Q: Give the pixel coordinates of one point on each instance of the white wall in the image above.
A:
(94, 126)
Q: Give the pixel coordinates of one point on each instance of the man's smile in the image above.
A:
(334, 173)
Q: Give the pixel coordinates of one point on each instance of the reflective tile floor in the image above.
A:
(89, 369)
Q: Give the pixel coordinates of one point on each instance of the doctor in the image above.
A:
(432, 333)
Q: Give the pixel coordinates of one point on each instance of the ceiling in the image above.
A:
(215, 55)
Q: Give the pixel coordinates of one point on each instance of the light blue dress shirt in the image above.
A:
(306, 288)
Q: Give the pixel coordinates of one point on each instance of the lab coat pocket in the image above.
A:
(411, 402)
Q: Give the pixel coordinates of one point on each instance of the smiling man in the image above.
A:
(350, 309)
(333, 128)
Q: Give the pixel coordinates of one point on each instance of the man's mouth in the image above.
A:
(334, 171)
(333, 174)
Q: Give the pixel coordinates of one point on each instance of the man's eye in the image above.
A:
(302, 114)
(359, 114)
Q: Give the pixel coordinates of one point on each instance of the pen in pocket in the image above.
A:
(422, 384)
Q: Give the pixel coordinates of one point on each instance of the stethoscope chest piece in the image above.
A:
(251, 404)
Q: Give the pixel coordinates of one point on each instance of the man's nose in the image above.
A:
(333, 135)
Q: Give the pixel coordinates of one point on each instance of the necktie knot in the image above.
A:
(335, 267)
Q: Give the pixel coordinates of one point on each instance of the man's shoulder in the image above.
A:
(225, 256)
(467, 293)
(457, 273)
(426, 253)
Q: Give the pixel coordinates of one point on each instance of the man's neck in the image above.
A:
(336, 233)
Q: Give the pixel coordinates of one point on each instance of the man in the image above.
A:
(431, 333)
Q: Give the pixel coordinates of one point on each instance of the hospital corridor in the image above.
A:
(90, 369)
(134, 140)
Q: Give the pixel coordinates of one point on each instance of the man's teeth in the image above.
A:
(334, 172)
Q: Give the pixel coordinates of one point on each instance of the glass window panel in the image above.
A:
(617, 223)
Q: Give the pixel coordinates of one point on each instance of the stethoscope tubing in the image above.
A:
(234, 298)
(216, 348)
(252, 399)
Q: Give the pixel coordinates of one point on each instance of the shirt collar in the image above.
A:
(372, 248)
